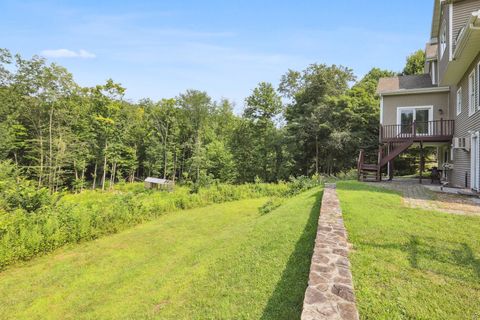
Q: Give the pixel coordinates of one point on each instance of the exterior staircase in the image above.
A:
(386, 153)
(397, 138)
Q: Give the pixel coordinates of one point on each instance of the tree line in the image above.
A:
(64, 136)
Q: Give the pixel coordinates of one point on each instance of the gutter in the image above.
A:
(466, 33)
(475, 18)
(415, 91)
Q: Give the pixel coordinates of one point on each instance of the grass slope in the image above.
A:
(225, 261)
(410, 263)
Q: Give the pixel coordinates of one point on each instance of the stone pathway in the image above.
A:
(416, 195)
(330, 293)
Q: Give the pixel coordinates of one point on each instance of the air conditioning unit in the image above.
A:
(461, 143)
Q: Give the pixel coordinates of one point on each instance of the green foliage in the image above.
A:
(302, 183)
(204, 263)
(92, 214)
(18, 193)
(401, 254)
(271, 204)
(69, 137)
(415, 63)
(327, 122)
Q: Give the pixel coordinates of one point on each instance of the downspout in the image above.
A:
(381, 109)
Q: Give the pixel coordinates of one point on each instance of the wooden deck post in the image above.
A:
(422, 161)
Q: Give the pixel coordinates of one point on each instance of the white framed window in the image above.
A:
(443, 39)
(422, 116)
(459, 101)
(434, 71)
(477, 87)
(471, 93)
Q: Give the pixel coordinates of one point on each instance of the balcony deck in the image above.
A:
(419, 131)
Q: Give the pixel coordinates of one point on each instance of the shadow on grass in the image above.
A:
(362, 186)
(399, 187)
(436, 254)
(286, 301)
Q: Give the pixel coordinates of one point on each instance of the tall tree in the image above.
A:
(415, 63)
(262, 107)
(311, 115)
(197, 107)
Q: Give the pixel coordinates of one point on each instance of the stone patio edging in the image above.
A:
(330, 293)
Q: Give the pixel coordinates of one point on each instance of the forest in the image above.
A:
(62, 136)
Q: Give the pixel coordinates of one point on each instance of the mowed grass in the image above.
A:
(410, 263)
(225, 261)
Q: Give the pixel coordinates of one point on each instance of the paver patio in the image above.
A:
(416, 195)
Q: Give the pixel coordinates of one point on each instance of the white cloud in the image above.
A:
(66, 53)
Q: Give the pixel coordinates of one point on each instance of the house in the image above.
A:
(440, 108)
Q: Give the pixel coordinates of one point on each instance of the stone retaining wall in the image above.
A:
(330, 293)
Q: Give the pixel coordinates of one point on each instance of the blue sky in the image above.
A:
(158, 49)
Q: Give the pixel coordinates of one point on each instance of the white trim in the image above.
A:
(477, 86)
(443, 39)
(450, 31)
(399, 112)
(475, 161)
(471, 92)
(381, 109)
(459, 100)
(434, 71)
(416, 91)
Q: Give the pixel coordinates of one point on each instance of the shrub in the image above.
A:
(25, 233)
(17, 192)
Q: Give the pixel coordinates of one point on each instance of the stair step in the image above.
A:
(369, 167)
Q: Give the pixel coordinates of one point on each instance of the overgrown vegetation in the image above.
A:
(225, 261)
(33, 222)
(410, 263)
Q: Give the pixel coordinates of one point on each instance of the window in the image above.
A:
(433, 71)
(443, 39)
(477, 87)
(459, 101)
(422, 116)
(471, 93)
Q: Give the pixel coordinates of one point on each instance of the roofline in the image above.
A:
(415, 91)
(437, 5)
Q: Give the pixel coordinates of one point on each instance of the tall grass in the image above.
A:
(92, 214)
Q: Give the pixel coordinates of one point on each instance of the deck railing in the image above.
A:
(422, 130)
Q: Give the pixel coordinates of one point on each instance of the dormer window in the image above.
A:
(443, 39)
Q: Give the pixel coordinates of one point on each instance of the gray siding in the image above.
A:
(463, 124)
(462, 11)
(443, 62)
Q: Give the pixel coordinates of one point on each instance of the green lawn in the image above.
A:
(410, 263)
(224, 261)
